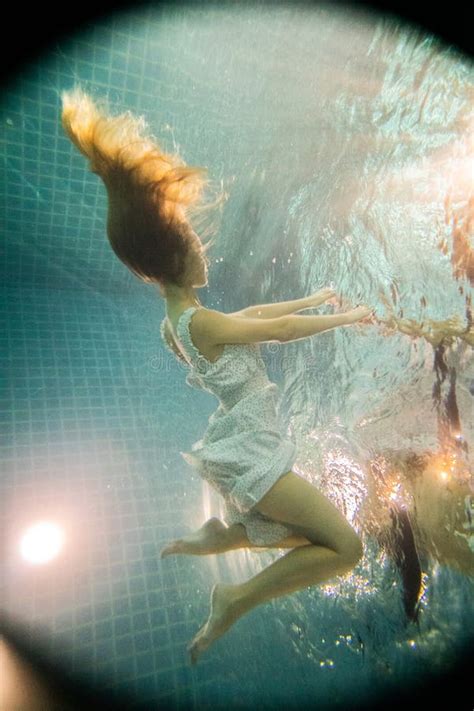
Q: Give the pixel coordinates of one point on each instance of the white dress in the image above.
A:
(244, 450)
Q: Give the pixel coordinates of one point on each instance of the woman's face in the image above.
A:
(196, 273)
(198, 265)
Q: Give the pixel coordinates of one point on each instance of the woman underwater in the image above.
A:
(244, 453)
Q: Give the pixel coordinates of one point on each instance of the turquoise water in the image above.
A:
(344, 144)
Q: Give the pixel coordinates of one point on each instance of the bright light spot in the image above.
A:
(394, 495)
(412, 643)
(41, 543)
(444, 476)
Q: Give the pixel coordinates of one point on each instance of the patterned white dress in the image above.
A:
(244, 450)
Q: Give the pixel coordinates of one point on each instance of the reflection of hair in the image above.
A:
(150, 193)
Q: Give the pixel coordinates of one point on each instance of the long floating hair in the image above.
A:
(152, 194)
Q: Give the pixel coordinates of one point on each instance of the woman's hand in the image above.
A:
(322, 296)
(360, 313)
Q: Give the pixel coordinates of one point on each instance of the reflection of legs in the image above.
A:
(401, 547)
(214, 537)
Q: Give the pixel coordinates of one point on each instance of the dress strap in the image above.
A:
(163, 336)
(182, 331)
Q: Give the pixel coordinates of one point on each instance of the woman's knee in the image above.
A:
(295, 501)
(351, 549)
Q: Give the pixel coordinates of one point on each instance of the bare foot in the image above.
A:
(205, 540)
(224, 612)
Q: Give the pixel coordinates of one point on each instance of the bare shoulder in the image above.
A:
(218, 327)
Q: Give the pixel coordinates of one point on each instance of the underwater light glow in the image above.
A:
(42, 542)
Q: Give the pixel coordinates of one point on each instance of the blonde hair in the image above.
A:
(151, 194)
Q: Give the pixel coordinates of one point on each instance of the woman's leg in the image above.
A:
(334, 549)
(214, 537)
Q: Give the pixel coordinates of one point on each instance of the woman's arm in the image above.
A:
(283, 308)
